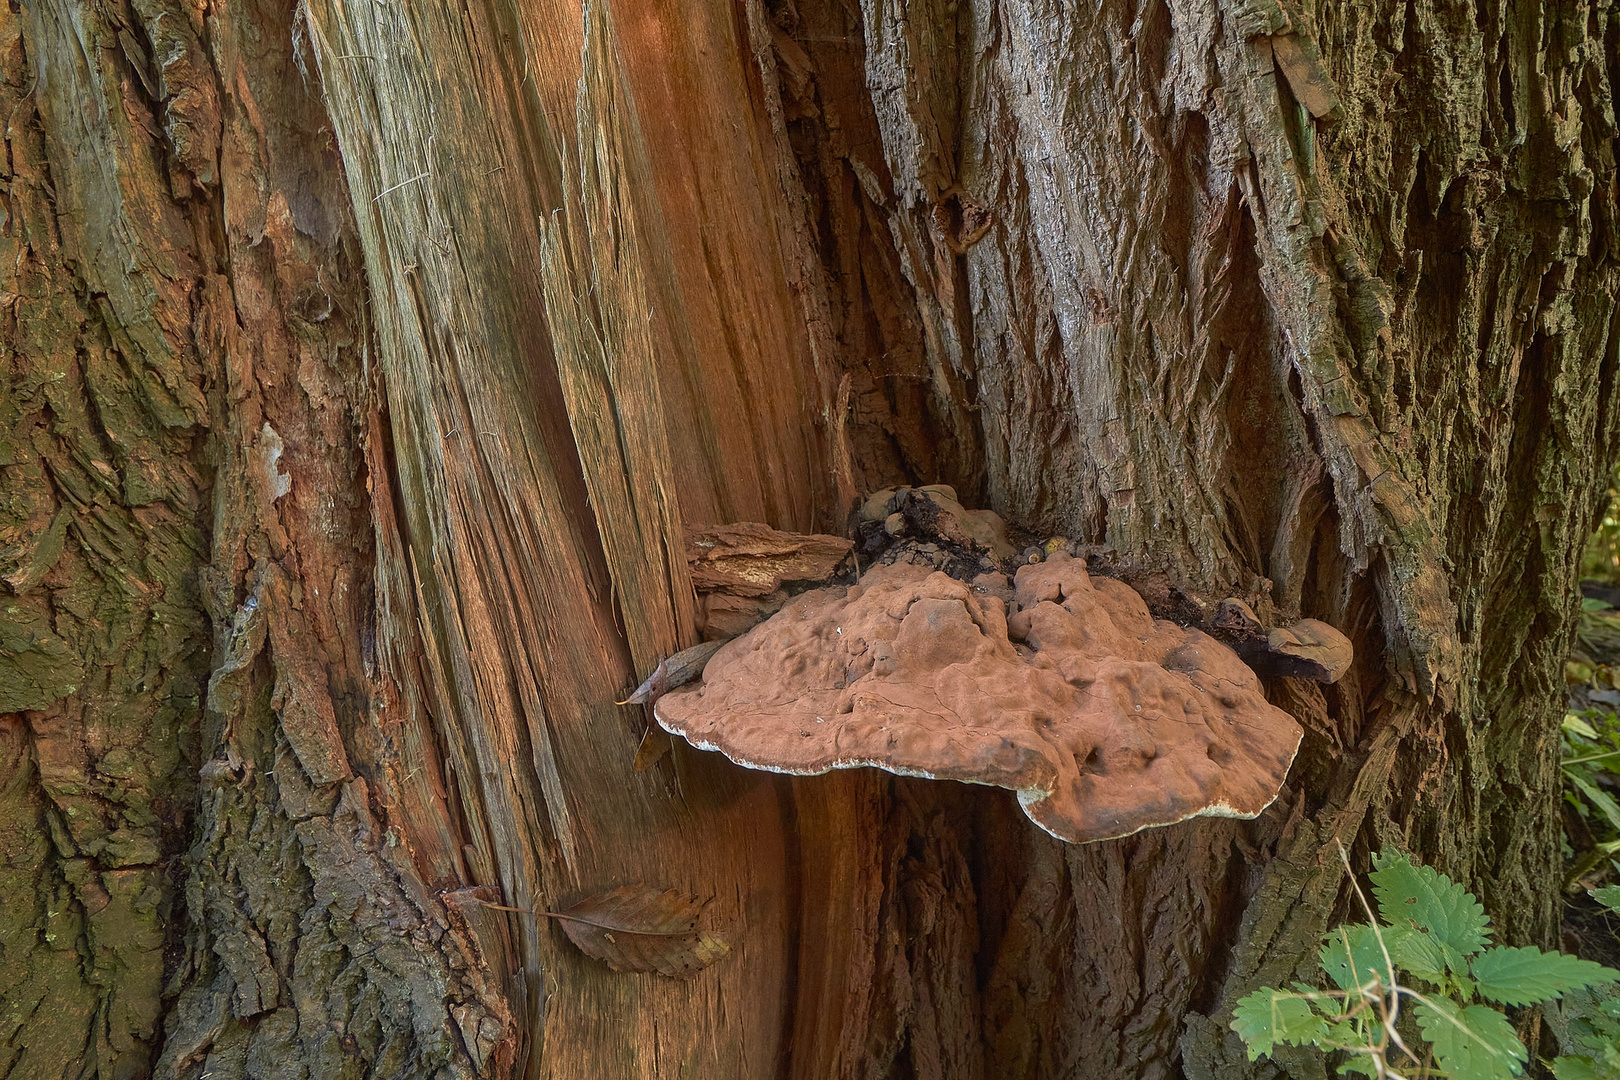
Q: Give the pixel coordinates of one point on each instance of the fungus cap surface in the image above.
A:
(1104, 720)
(1318, 650)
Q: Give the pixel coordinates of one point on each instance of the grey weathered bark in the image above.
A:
(364, 361)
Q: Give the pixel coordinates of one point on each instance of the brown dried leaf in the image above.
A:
(640, 928)
(673, 671)
(655, 743)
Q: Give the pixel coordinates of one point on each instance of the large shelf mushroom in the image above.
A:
(1058, 686)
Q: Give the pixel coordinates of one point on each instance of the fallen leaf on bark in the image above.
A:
(655, 743)
(640, 928)
(676, 670)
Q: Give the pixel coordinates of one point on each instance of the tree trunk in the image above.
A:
(367, 360)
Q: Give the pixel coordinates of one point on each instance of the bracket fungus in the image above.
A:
(1056, 685)
(1309, 649)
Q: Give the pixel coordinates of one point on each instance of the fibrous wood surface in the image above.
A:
(209, 867)
(367, 362)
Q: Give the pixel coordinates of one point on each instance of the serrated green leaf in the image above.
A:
(1268, 1017)
(1344, 1035)
(1476, 1043)
(1419, 897)
(1351, 1037)
(1602, 1052)
(1608, 896)
(1420, 953)
(1594, 1031)
(1359, 1065)
(1521, 976)
(1352, 958)
(1595, 1036)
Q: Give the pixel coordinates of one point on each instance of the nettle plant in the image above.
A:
(1593, 1022)
(1421, 969)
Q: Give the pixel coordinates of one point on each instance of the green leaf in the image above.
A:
(1597, 797)
(1359, 1065)
(1576, 726)
(1527, 975)
(1352, 1038)
(1268, 1017)
(1578, 1067)
(1594, 1030)
(1592, 603)
(1574, 1067)
(1420, 954)
(1419, 897)
(1608, 896)
(1352, 958)
(1476, 1043)
(1345, 1035)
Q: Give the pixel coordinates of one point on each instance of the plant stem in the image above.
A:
(1592, 757)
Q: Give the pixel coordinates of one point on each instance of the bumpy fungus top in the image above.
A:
(1104, 720)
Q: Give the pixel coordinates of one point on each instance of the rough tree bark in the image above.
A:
(365, 359)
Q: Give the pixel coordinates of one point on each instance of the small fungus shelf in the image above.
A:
(1056, 685)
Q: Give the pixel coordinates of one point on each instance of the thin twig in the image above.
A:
(1390, 1007)
(402, 183)
(1378, 934)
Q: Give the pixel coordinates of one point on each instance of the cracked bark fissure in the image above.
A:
(365, 360)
